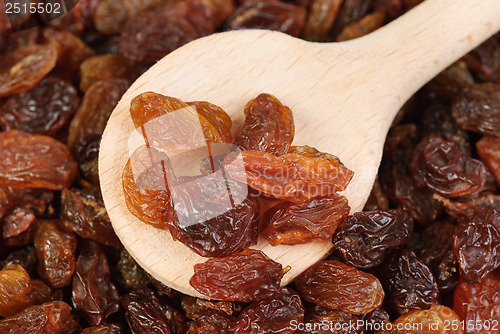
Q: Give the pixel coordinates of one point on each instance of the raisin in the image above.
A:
(132, 276)
(295, 177)
(459, 209)
(222, 10)
(378, 199)
(39, 201)
(52, 317)
(19, 227)
(488, 149)
(478, 302)
(375, 319)
(268, 126)
(146, 312)
(83, 212)
(272, 315)
(214, 216)
(476, 244)
(271, 15)
(449, 83)
(25, 256)
(42, 293)
(435, 249)
(335, 285)
(169, 124)
(437, 319)
(364, 238)
(350, 11)
(14, 289)
(322, 14)
(197, 307)
(93, 292)
(326, 321)
(409, 282)
(99, 101)
(477, 108)
(366, 25)
(111, 328)
(484, 60)
(144, 184)
(107, 67)
(55, 252)
(393, 8)
(246, 276)
(216, 116)
(148, 36)
(23, 68)
(441, 166)
(44, 110)
(30, 161)
(296, 223)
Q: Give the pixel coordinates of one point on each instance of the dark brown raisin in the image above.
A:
(364, 238)
(132, 276)
(488, 149)
(93, 292)
(484, 60)
(19, 227)
(112, 328)
(246, 276)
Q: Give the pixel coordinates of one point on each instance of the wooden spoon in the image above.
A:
(344, 97)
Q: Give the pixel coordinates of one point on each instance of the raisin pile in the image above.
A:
(422, 257)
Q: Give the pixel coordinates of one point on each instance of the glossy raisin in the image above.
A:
(246, 276)
(295, 177)
(476, 244)
(83, 212)
(364, 238)
(484, 60)
(19, 227)
(45, 109)
(216, 116)
(23, 68)
(295, 223)
(214, 216)
(441, 166)
(55, 250)
(25, 256)
(488, 149)
(322, 14)
(437, 319)
(146, 312)
(478, 303)
(325, 321)
(14, 290)
(271, 15)
(52, 317)
(409, 282)
(87, 156)
(272, 315)
(93, 292)
(212, 323)
(366, 25)
(335, 285)
(132, 276)
(477, 108)
(30, 161)
(112, 328)
(268, 126)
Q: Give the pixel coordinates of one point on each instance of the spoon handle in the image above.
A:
(427, 39)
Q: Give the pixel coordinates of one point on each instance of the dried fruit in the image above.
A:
(111, 328)
(441, 166)
(45, 109)
(132, 276)
(268, 126)
(110, 16)
(55, 251)
(246, 276)
(477, 108)
(364, 238)
(34, 161)
(488, 149)
(437, 319)
(295, 223)
(484, 60)
(52, 317)
(409, 282)
(23, 68)
(18, 227)
(269, 14)
(146, 312)
(212, 323)
(216, 116)
(93, 292)
(478, 304)
(366, 25)
(272, 315)
(295, 177)
(335, 285)
(14, 290)
(83, 212)
(322, 14)
(476, 244)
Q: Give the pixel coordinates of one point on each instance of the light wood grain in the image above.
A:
(344, 97)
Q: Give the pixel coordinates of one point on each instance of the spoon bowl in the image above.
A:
(344, 97)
